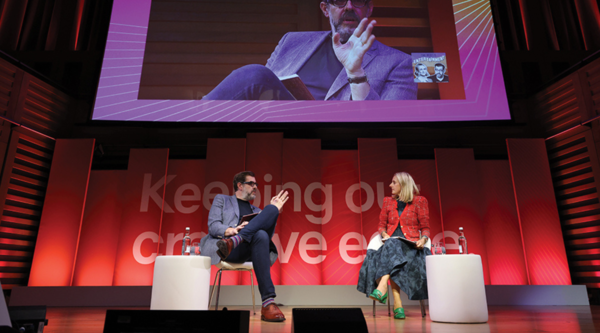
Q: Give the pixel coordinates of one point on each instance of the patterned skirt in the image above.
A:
(404, 264)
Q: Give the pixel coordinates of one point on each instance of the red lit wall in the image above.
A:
(460, 194)
(95, 264)
(344, 236)
(301, 219)
(143, 204)
(501, 231)
(506, 207)
(58, 235)
(537, 212)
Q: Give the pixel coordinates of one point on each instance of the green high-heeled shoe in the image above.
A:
(399, 313)
(376, 295)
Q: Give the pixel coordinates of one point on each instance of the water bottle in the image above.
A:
(187, 243)
(462, 242)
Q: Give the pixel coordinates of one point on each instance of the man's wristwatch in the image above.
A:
(358, 79)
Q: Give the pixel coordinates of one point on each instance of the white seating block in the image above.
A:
(456, 289)
(181, 283)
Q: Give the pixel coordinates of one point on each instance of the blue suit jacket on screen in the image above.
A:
(389, 70)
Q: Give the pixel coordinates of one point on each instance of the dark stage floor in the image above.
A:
(501, 319)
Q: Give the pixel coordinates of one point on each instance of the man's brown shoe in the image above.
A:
(225, 246)
(271, 313)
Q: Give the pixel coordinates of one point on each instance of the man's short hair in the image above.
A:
(240, 178)
(439, 65)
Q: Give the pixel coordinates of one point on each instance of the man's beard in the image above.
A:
(345, 33)
(249, 196)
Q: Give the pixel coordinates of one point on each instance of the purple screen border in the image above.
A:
(118, 87)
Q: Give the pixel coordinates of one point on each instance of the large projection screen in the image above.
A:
(163, 56)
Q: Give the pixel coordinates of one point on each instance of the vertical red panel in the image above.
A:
(99, 238)
(12, 16)
(460, 200)
(424, 174)
(142, 216)
(537, 211)
(589, 21)
(378, 162)
(77, 23)
(56, 245)
(525, 19)
(345, 243)
(502, 233)
(300, 231)
(264, 158)
(183, 205)
(224, 159)
(443, 38)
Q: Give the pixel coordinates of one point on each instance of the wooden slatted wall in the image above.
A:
(592, 80)
(558, 107)
(573, 155)
(573, 161)
(8, 79)
(403, 25)
(24, 184)
(27, 156)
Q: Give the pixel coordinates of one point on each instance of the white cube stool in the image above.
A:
(456, 289)
(180, 283)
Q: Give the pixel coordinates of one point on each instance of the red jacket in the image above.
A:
(415, 217)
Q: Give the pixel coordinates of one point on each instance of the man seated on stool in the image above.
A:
(248, 241)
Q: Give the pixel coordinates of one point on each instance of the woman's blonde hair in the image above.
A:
(408, 187)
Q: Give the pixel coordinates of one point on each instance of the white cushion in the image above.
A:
(232, 266)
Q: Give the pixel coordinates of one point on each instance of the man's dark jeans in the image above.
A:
(251, 82)
(257, 234)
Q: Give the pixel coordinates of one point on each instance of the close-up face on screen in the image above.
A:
(301, 61)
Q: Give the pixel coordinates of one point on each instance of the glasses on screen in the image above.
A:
(355, 3)
(252, 184)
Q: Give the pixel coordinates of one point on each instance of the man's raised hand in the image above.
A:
(280, 199)
(352, 52)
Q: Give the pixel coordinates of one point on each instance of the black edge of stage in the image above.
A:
(126, 296)
(140, 296)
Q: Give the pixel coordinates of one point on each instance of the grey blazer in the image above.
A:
(389, 71)
(224, 213)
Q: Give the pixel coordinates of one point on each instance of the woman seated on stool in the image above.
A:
(404, 215)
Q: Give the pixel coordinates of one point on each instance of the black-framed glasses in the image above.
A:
(343, 3)
(252, 184)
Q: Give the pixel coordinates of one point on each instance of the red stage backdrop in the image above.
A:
(124, 219)
(143, 206)
(63, 213)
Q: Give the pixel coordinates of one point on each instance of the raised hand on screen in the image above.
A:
(351, 53)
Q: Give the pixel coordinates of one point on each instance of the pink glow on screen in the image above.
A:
(118, 87)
